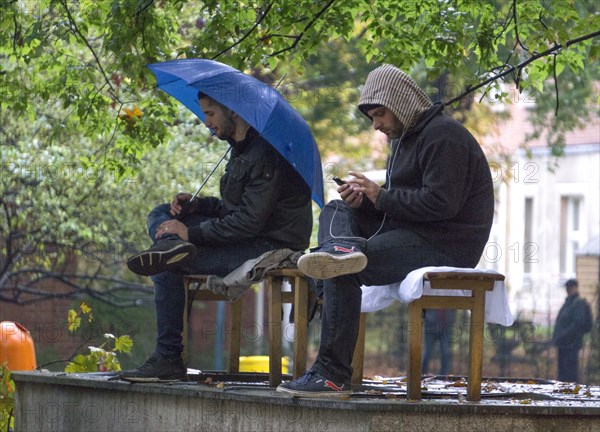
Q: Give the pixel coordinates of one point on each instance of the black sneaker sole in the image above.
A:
(323, 265)
(149, 263)
(153, 379)
(315, 394)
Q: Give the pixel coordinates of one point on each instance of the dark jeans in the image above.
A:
(568, 364)
(391, 254)
(431, 338)
(439, 328)
(169, 295)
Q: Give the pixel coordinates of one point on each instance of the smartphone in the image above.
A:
(338, 180)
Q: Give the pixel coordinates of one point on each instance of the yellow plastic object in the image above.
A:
(16, 347)
(261, 364)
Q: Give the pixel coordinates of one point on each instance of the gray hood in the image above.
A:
(389, 86)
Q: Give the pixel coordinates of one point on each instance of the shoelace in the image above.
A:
(306, 377)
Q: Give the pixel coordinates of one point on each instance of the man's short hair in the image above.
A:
(571, 283)
(365, 108)
(202, 95)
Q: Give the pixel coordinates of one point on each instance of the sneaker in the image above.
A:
(333, 261)
(161, 256)
(157, 369)
(312, 384)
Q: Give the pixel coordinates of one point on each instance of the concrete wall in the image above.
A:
(49, 402)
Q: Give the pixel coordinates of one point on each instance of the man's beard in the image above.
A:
(398, 130)
(227, 128)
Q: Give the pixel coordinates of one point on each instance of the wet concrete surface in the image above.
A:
(48, 401)
(450, 389)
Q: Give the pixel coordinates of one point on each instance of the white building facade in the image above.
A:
(546, 210)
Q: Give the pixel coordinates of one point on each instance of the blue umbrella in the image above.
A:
(257, 103)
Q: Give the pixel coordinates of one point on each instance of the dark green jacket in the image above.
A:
(572, 323)
(262, 196)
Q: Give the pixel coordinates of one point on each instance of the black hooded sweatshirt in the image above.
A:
(438, 183)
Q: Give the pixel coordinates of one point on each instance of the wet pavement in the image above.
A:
(245, 402)
(494, 391)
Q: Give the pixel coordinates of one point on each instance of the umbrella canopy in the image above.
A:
(263, 107)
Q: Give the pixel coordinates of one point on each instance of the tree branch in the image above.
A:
(16, 34)
(142, 8)
(306, 28)
(518, 67)
(85, 41)
(256, 24)
(555, 86)
(76, 285)
(519, 43)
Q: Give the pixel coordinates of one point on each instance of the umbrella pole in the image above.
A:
(186, 206)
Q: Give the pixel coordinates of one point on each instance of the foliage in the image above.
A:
(88, 58)
(570, 112)
(593, 365)
(82, 126)
(102, 358)
(63, 222)
(7, 399)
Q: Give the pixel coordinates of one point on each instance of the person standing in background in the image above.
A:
(574, 320)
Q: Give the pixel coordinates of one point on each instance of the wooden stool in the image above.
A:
(235, 320)
(299, 298)
(476, 282)
(276, 298)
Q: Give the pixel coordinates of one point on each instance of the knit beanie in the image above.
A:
(389, 86)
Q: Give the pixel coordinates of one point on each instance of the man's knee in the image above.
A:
(160, 210)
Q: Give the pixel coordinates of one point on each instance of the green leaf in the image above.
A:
(82, 363)
(73, 320)
(123, 344)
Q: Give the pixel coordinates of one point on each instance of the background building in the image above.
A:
(547, 210)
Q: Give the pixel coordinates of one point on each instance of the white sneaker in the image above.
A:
(338, 261)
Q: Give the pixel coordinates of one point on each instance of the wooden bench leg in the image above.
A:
(274, 295)
(233, 363)
(186, 317)
(300, 325)
(476, 346)
(415, 337)
(359, 352)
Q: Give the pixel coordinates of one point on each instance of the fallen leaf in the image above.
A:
(458, 383)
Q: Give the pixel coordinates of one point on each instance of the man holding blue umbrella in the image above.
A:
(265, 204)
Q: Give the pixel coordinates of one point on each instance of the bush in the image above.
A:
(7, 399)
(102, 358)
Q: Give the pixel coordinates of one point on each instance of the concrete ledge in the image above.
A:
(83, 402)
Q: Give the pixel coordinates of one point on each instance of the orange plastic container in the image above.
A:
(16, 347)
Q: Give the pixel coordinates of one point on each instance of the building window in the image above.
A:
(528, 235)
(571, 233)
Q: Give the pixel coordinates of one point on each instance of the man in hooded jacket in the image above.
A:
(434, 209)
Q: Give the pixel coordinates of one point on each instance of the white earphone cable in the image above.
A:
(395, 146)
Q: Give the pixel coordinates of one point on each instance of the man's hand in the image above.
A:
(178, 201)
(173, 226)
(347, 193)
(363, 186)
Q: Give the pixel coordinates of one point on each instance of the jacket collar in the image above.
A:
(241, 146)
(425, 118)
(572, 298)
